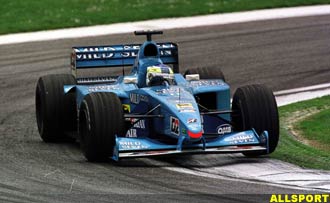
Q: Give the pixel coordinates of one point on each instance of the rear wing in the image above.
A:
(117, 56)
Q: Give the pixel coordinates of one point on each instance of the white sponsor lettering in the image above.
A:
(144, 98)
(192, 120)
(166, 53)
(242, 138)
(134, 98)
(132, 145)
(126, 47)
(95, 56)
(223, 129)
(102, 88)
(131, 133)
(129, 54)
(165, 45)
(83, 54)
(94, 49)
(139, 124)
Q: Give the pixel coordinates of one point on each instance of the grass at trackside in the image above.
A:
(32, 15)
(317, 127)
(293, 151)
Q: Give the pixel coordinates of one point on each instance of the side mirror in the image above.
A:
(130, 80)
(192, 77)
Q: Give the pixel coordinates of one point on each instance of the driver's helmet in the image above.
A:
(159, 75)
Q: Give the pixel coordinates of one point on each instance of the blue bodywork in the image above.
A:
(177, 123)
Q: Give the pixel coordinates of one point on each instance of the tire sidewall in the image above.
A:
(85, 130)
(255, 107)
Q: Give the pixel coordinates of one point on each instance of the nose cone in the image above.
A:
(195, 135)
(194, 130)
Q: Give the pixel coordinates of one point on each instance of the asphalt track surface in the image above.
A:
(283, 54)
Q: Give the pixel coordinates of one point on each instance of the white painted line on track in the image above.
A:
(169, 23)
(301, 94)
(303, 89)
(270, 172)
(218, 173)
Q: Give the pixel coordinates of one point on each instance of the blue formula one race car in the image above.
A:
(154, 110)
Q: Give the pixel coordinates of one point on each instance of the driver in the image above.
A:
(159, 75)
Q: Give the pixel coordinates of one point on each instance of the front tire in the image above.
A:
(55, 112)
(101, 118)
(254, 106)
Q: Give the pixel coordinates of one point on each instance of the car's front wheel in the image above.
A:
(254, 106)
(101, 118)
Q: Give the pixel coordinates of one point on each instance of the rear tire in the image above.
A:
(101, 118)
(207, 73)
(56, 112)
(254, 106)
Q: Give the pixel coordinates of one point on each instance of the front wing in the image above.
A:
(236, 142)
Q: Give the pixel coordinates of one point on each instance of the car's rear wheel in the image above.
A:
(254, 106)
(101, 118)
(56, 112)
(206, 73)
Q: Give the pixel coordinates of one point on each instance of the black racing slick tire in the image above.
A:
(56, 112)
(101, 118)
(206, 73)
(254, 106)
